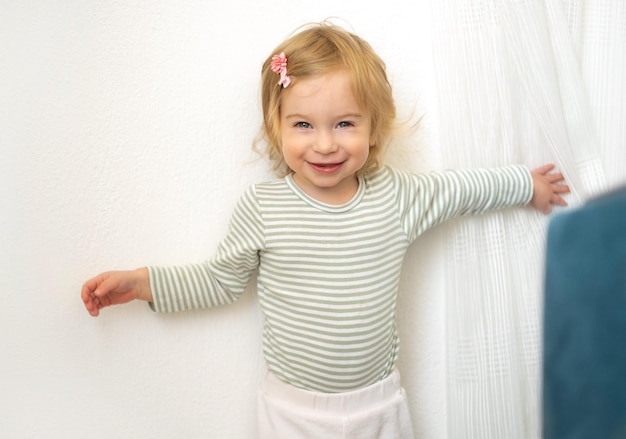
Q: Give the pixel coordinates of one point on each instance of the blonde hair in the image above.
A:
(319, 49)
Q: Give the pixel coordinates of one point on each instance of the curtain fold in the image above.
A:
(530, 82)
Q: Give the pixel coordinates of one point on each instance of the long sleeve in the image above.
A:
(426, 200)
(220, 280)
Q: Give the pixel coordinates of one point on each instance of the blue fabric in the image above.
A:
(584, 350)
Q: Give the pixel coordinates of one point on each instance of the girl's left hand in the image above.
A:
(547, 188)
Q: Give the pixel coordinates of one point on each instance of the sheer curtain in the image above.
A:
(532, 82)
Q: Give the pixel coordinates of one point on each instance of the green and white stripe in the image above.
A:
(328, 275)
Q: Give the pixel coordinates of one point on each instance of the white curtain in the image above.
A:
(532, 82)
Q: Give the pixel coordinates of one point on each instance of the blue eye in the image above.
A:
(344, 124)
(302, 125)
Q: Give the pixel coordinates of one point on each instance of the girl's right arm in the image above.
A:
(217, 281)
(115, 287)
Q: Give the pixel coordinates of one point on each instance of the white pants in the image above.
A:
(379, 411)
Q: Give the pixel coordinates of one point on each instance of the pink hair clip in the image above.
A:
(279, 66)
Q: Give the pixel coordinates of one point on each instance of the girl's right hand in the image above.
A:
(115, 287)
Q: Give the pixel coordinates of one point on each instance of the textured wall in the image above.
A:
(125, 131)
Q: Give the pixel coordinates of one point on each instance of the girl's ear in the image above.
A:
(373, 133)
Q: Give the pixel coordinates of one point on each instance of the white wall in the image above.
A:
(125, 133)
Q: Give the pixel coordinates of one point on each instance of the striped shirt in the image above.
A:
(328, 275)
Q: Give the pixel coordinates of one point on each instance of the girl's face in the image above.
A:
(325, 136)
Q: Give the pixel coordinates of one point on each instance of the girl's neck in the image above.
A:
(335, 195)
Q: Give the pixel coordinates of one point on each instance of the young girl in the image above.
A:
(327, 239)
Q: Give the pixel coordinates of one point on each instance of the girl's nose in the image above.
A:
(325, 143)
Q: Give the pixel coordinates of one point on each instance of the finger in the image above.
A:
(553, 178)
(90, 286)
(85, 293)
(560, 188)
(558, 200)
(91, 304)
(106, 283)
(544, 169)
(89, 294)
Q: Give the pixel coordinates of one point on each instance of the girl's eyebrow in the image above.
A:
(295, 116)
(342, 116)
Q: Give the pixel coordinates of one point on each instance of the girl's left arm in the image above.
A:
(427, 200)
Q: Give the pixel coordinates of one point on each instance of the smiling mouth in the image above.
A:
(326, 168)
